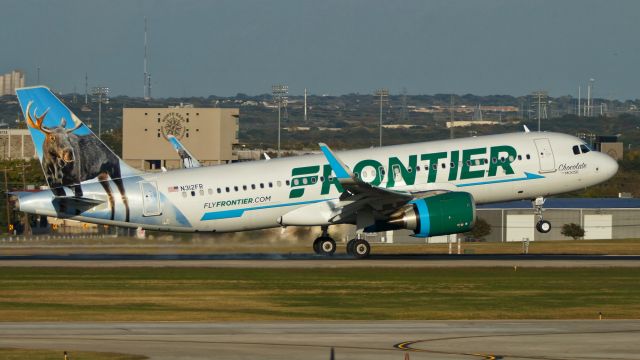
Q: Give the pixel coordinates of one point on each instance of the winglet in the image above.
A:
(339, 168)
(187, 159)
(526, 129)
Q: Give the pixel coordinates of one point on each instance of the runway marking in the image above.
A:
(408, 345)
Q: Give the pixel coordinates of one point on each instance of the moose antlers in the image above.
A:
(39, 119)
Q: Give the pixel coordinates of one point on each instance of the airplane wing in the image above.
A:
(188, 160)
(356, 188)
(361, 196)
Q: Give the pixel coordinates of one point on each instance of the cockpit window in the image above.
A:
(576, 150)
(585, 149)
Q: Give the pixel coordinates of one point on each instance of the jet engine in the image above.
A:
(443, 214)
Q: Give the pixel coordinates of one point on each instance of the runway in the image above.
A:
(311, 261)
(548, 340)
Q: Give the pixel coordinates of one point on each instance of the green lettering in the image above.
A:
(467, 155)
(370, 163)
(506, 152)
(297, 183)
(433, 160)
(326, 184)
(409, 177)
(453, 170)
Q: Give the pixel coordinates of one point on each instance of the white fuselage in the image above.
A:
(260, 194)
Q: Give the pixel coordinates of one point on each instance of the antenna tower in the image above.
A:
(147, 75)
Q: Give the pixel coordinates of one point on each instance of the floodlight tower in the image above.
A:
(590, 97)
(147, 75)
(101, 95)
(279, 92)
(382, 97)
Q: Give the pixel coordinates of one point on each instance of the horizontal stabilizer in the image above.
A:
(77, 202)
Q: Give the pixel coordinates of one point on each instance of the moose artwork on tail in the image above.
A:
(69, 159)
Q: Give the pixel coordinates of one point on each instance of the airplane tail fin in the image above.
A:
(69, 151)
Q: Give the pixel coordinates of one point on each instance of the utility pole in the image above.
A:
(305, 104)
(6, 193)
(451, 118)
(579, 91)
(23, 167)
(383, 95)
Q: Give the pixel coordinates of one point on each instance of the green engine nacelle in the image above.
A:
(443, 214)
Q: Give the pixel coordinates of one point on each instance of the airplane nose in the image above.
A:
(608, 166)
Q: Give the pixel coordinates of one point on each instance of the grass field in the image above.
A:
(208, 294)
(22, 354)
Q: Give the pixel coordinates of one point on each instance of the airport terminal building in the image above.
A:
(210, 134)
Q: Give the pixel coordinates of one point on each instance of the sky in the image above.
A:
(334, 47)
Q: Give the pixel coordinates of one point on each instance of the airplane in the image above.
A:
(430, 188)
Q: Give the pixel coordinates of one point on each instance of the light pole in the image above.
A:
(381, 95)
(279, 92)
(103, 97)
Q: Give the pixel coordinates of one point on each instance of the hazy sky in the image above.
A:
(331, 47)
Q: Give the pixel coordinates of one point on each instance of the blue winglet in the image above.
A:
(337, 166)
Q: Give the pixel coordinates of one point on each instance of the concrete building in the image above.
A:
(210, 134)
(16, 144)
(10, 81)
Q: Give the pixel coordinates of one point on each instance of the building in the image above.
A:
(210, 134)
(16, 144)
(9, 82)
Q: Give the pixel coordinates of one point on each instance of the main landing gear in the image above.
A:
(359, 248)
(542, 225)
(325, 245)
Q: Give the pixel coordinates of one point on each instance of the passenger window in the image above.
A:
(418, 168)
(519, 157)
(585, 149)
(235, 188)
(444, 165)
(270, 184)
(219, 190)
(201, 192)
(287, 182)
(261, 185)
(453, 165)
(210, 191)
(253, 186)
(193, 193)
(314, 179)
(244, 187)
(528, 157)
(502, 159)
(576, 150)
(279, 183)
(296, 182)
(227, 188)
(434, 167)
(494, 160)
(468, 162)
(322, 178)
(184, 194)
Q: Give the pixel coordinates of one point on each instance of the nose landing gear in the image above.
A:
(543, 226)
(324, 245)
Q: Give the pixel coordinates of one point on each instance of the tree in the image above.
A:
(480, 229)
(572, 230)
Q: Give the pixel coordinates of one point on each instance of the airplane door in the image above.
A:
(150, 199)
(545, 155)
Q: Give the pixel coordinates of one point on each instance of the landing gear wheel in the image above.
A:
(360, 249)
(350, 244)
(327, 246)
(324, 245)
(543, 226)
(316, 245)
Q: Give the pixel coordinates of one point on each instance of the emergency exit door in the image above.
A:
(545, 155)
(150, 199)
